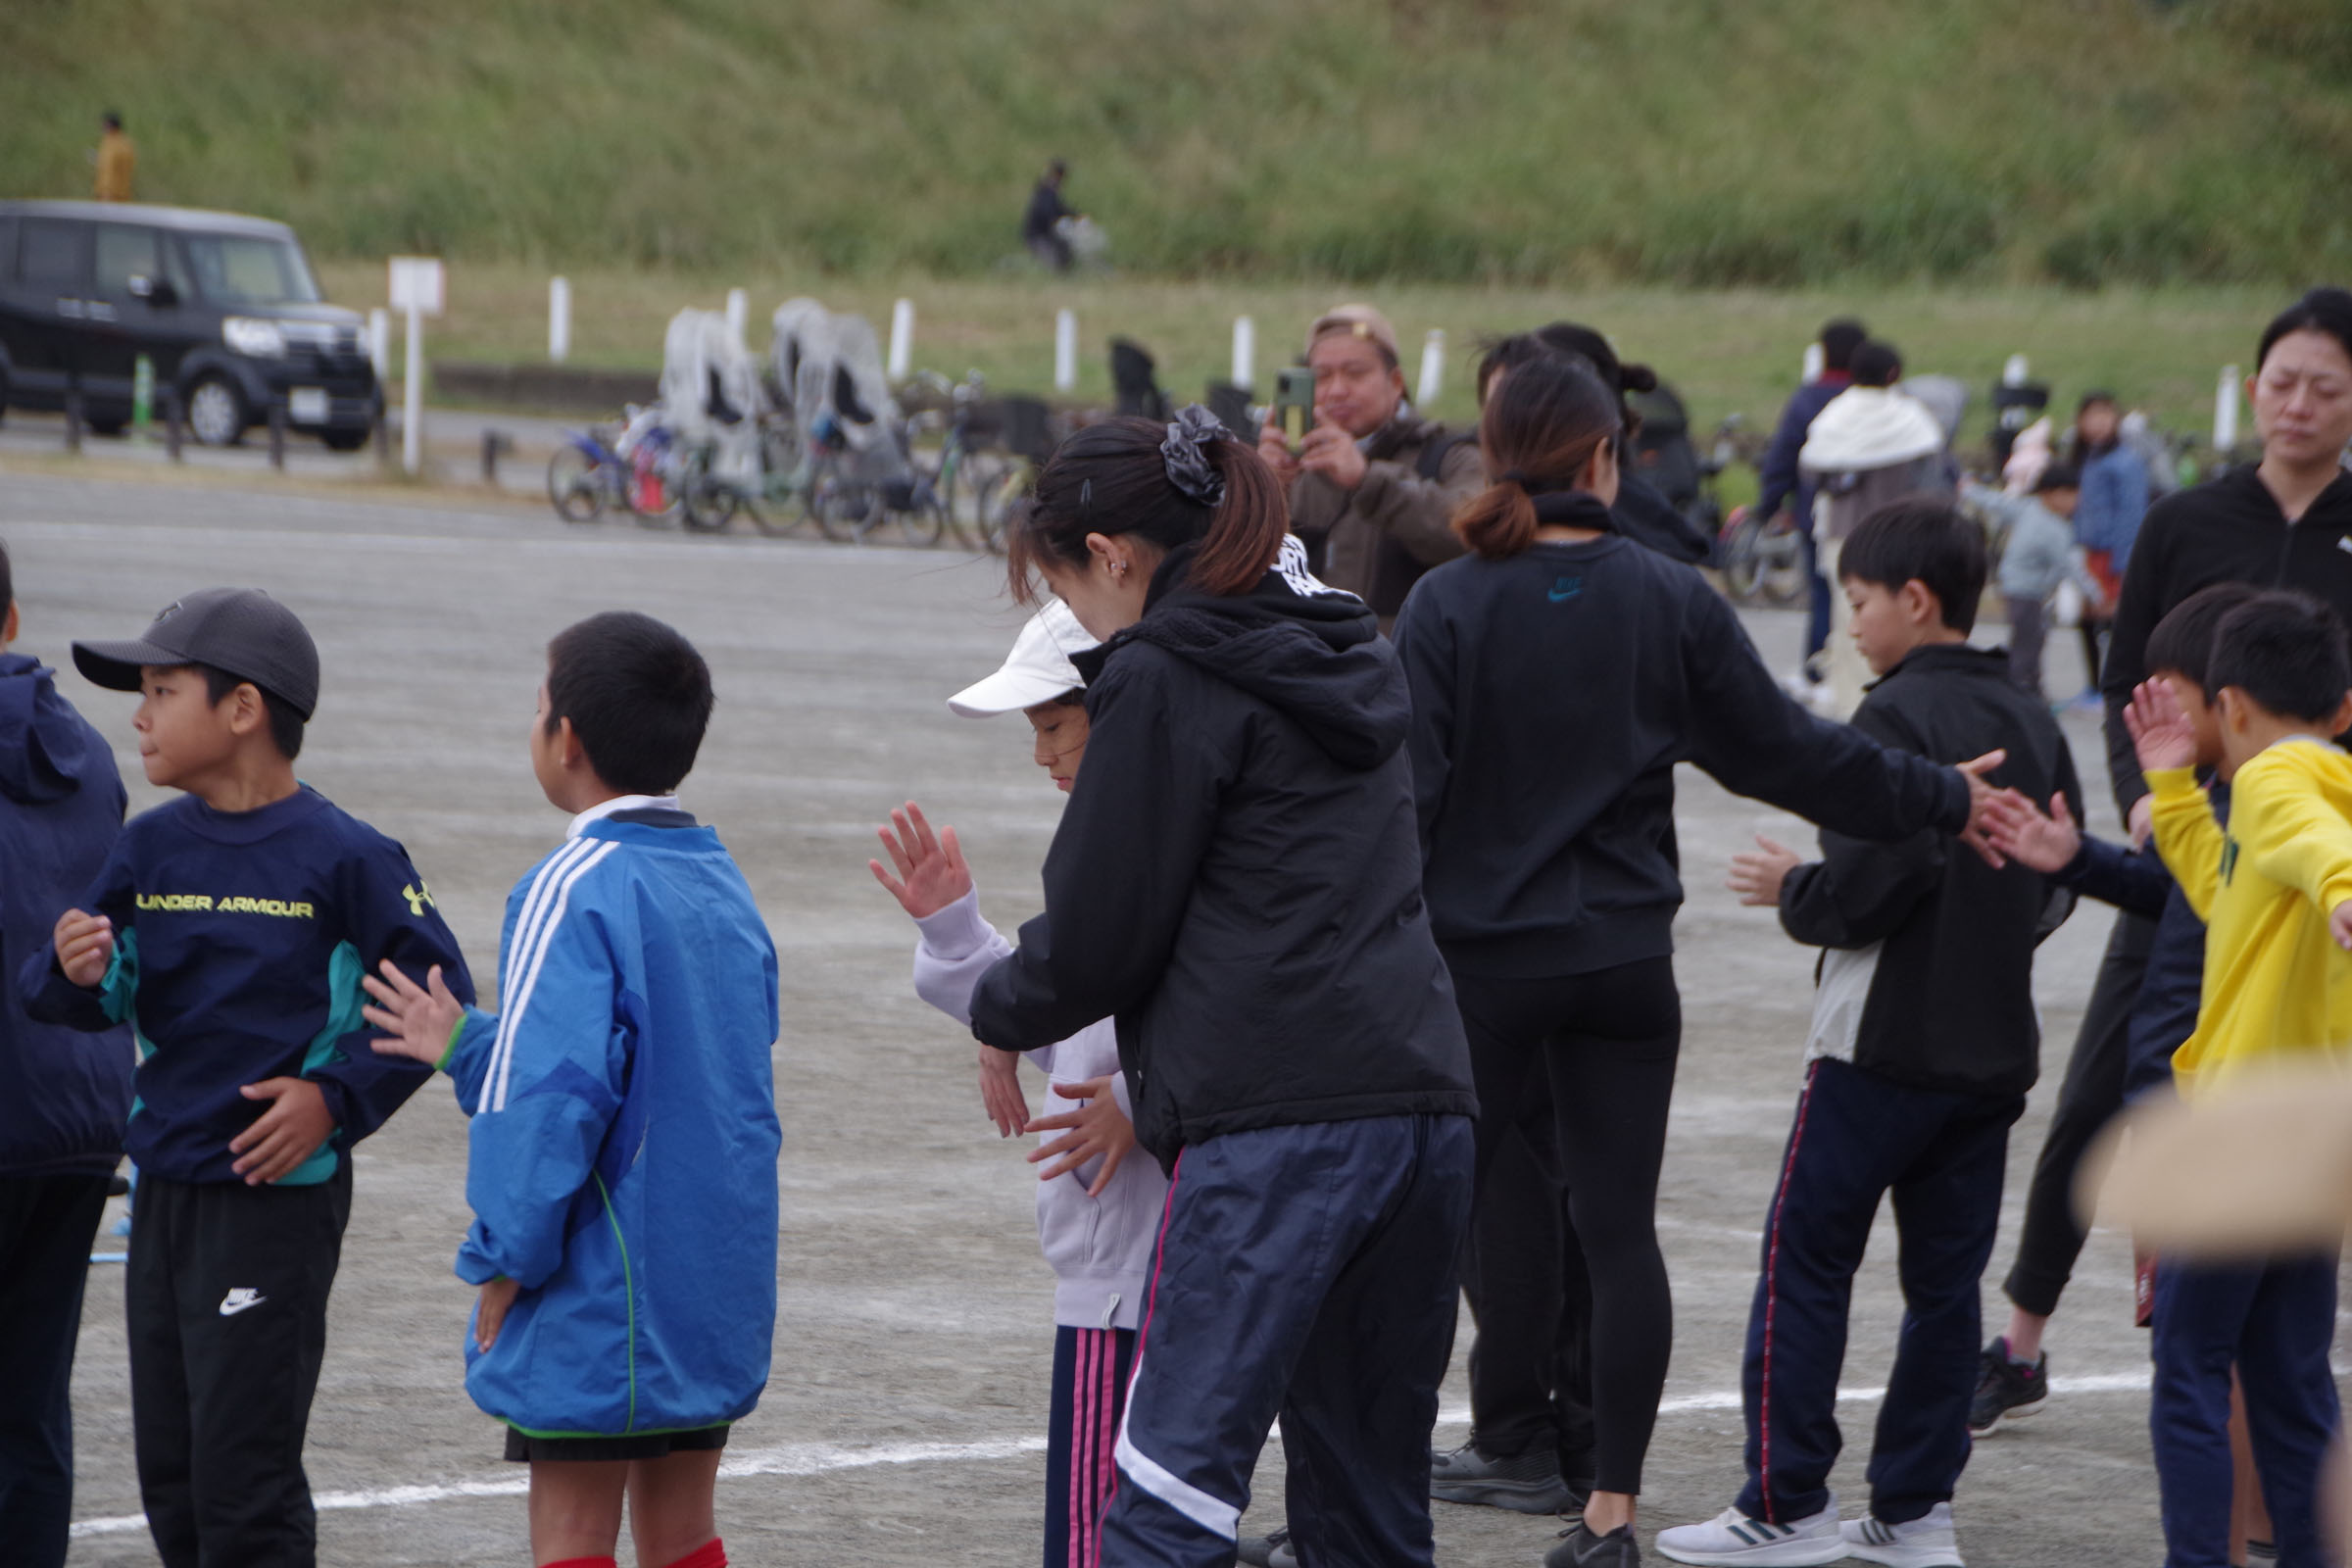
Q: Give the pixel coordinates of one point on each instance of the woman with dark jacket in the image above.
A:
(1236, 881)
(1558, 673)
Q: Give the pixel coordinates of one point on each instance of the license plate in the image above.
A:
(306, 405)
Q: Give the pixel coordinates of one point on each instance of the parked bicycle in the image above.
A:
(613, 468)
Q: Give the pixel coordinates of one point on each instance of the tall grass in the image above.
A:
(1693, 142)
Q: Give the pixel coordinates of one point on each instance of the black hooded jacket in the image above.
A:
(63, 1094)
(1237, 877)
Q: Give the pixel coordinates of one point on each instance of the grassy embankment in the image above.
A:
(1689, 142)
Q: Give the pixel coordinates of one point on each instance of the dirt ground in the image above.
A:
(905, 1417)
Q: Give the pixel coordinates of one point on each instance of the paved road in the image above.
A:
(906, 1405)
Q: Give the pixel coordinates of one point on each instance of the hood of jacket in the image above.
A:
(1867, 427)
(1308, 649)
(44, 747)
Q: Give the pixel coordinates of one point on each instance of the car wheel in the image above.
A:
(216, 414)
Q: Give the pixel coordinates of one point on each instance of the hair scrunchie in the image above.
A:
(1186, 453)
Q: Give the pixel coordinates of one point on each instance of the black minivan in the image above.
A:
(223, 307)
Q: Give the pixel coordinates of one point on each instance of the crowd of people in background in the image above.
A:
(1354, 982)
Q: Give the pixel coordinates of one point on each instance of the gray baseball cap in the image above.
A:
(241, 630)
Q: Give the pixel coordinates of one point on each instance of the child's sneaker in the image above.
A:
(1526, 1482)
(1582, 1548)
(1732, 1537)
(1273, 1549)
(1927, 1541)
(2006, 1391)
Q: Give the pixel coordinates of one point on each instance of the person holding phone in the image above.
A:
(1372, 485)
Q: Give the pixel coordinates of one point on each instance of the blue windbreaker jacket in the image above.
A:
(624, 1137)
(63, 1094)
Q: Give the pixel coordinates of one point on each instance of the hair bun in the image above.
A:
(1637, 378)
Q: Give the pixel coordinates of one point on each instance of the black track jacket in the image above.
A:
(1237, 878)
(1930, 977)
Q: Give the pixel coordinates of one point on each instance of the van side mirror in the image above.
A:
(153, 290)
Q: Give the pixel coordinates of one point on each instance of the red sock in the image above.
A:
(582, 1562)
(711, 1553)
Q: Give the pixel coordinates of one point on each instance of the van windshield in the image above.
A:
(249, 269)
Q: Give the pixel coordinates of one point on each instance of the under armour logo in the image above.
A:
(419, 896)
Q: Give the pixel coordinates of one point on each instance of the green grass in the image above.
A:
(1725, 350)
(1581, 143)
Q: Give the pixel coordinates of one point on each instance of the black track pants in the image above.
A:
(227, 1311)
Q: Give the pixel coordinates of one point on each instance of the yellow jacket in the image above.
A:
(2275, 979)
(117, 159)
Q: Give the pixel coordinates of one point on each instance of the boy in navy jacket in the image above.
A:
(1922, 1046)
(62, 1095)
(230, 929)
(623, 1172)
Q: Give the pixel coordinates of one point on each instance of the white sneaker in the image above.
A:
(1732, 1537)
(1927, 1541)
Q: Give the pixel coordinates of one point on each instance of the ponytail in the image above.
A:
(1186, 482)
(1546, 419)
(1498, 523)
(1245, 533)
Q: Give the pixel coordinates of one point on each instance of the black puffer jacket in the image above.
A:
(1237, 877)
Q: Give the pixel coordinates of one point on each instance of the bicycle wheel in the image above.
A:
(1742, 563)
(977, 478)
(923, 524)
(1019, 479)
(574, 485)
(1782, 556)
(707, 503)
(844, 509)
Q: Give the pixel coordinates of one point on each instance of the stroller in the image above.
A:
(861, 471)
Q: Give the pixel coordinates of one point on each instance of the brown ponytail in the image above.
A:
(1111, 478)
(1545, 420)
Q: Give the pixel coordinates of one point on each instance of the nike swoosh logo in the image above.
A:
(238, 1301)
(1567, 588)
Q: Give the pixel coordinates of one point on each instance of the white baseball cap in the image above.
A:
(1036, 670)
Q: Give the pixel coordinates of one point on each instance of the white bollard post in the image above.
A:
(411, 396)
(379, 341)
(1810, 368)
(2224, 411)
(559, 319)
(1433, 369)
(2014, 372)
(739, 310)
(901, 340)
(1066, 351)
(1244, 351)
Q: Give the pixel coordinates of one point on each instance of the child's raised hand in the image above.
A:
(1757, 878)
(931, 873)
(1981, 797)
(85, 946)
(2022, 831)
(2161, 733)
(1000, 1090)
(1101, 1129)
(418, 1021)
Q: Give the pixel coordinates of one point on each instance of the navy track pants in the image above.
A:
(1307, 1272)
(1857, 1137)
(2276, 1321)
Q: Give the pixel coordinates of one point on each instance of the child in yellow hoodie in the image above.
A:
(2274, 889)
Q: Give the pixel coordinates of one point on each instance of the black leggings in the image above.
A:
(1608, 1042)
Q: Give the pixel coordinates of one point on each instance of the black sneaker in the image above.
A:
(1270, 1550)
(1527, 1482)
(2005, 1391)
(1582, 1548)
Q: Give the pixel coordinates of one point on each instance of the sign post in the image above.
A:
(417, 291)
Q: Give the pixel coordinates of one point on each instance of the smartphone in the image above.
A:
(1295, 404)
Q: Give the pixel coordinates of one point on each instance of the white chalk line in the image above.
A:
(791, 1459)
(817, 1459)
